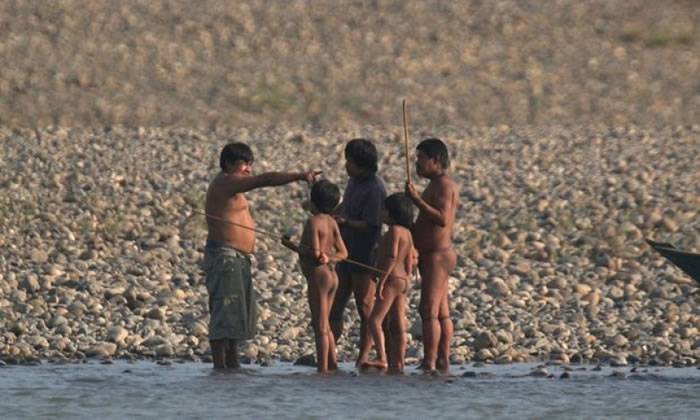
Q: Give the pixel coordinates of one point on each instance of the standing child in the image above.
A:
(320, 236)
(396, 257)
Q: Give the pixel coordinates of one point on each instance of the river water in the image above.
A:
(193, 390)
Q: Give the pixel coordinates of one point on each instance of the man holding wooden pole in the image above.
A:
(432, 235)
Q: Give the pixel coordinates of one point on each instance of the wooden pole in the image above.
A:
(263, 232)
(405, 141)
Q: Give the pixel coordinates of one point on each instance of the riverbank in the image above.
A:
(101, 248)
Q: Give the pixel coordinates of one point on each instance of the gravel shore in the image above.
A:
(248, 63)
(573, 128)
(101, 248)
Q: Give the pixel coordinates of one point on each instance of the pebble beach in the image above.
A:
(102, 243)
(572, 127)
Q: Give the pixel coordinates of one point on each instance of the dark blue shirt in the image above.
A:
(363, 200)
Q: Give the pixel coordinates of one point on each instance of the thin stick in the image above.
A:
(262, 232)
(405, 141)
(221, 219)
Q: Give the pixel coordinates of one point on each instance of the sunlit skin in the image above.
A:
(225, 200)
(319, 239)
(432, 233)
(396, 257)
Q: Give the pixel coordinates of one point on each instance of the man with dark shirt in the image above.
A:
(360, 220)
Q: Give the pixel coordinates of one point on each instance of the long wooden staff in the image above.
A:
(266, 233)
(405, 141)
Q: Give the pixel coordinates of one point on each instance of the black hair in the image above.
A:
(325, 196)
(400, 209)
(435, 149)
(233, 152)
(363, 153)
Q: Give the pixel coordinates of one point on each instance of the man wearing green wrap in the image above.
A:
(230, 241)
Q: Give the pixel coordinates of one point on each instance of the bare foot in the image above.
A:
(443, 366)
(424, 367)
(377, 364)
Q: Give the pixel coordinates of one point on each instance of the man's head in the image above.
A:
(325, 196)
(236, 158)
(431, 157)
(400, 209)
(360, 158)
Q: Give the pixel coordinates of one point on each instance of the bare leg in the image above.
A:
(446, 326)
(398, 327)
(389, 340)
(433, 288)
(443, 360)
(232, 355)
(340, 301)
(320, 284)
(379, 312)
(218, 353)
(332, 360)
(364, 289)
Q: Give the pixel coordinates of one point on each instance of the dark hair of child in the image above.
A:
(400, 209)
(325, 196)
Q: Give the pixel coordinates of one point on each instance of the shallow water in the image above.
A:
(193, 390)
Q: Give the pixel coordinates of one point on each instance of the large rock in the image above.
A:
(290, 333)
(198, 329)
(155, 341)
(102, 350)
(156, 313)
(164, 350)
(582, 289)
(485, 340)
(30, 283)
(57, 320)
(498, 287)
(39, 256)
(117, 334)
(38, 342)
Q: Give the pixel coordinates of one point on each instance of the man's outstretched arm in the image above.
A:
(240, 184)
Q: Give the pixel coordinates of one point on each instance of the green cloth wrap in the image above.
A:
(232, 298)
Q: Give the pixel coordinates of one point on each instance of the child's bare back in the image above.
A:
(320, 235)
(320, 245)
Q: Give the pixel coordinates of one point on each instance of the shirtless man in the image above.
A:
(232, 307)
(432, 234)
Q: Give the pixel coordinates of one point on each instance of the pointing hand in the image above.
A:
(311, 176)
